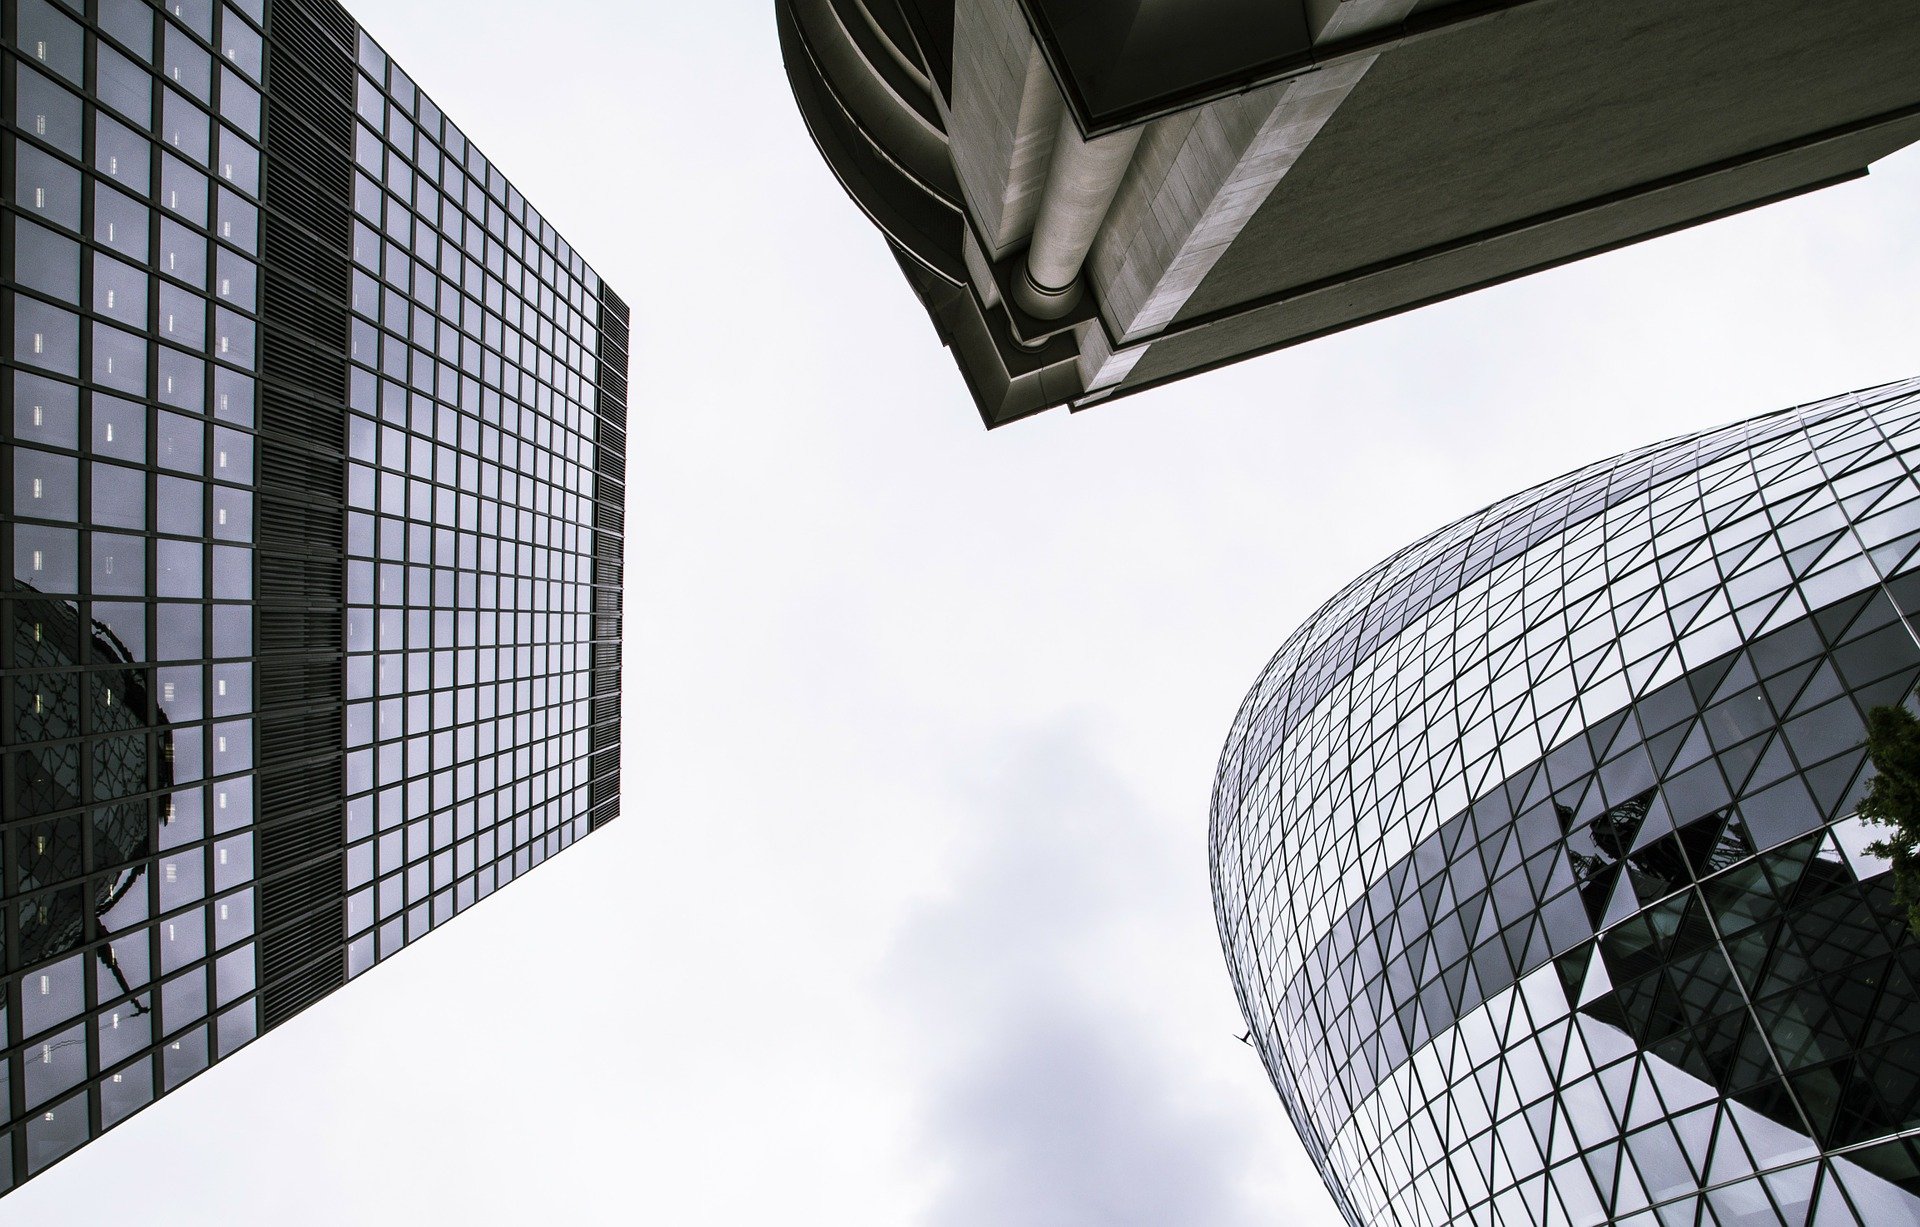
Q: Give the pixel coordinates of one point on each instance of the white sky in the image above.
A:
(906, 919)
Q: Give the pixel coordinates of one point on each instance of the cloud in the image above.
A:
(1060, 1093)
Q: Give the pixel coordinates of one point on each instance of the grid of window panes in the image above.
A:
(471, 484)
(1533, 850)
(133, 171)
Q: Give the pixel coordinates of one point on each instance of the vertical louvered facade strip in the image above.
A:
(306, 227)
(314, 439)
(609, 523)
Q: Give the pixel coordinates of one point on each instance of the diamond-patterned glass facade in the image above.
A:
(1534, 852)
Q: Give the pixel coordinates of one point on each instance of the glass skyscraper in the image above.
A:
(309, 639)
(1534, 853)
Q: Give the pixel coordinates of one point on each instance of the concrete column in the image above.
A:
(1001, 120)
(1081, 183)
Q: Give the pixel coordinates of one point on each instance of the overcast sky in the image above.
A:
(906, 920)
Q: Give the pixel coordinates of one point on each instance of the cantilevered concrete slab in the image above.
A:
(1102, 223)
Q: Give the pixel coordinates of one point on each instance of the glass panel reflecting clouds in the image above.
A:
(1528, 851)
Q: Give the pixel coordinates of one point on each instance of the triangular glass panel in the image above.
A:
(1662, 748)
(1598, 891)
(1603, 1163)
(1620, 906)
(1695, 1130)
(1596, 983)
(1792, 1190)
(1835, 618)
(1883, 1181)
(1774, 765)
(1629, 1194)
(1891, 554)
(1646, 1107)
(1783, 687)
(1738, 675)
(1830, 782)
(1792, 608)
(1730, 1158)
(1802, 559)
(1887, 692)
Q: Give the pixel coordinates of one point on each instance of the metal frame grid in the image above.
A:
(1533, 852)
(161, 677)
(132, 168)
(473, 458)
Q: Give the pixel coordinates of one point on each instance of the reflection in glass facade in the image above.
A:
(1534, 857)
(470, 524)
(314, 442)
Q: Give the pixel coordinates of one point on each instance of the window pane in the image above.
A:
(119, 221)
(125, 86)
(183, 190)
(52, 39)
(45, 411)
(197, 14)
(46, 261)
(122, 154)
(126, 621)
(120, 291)
(119, 360)
(239, 221)
(119, 566)
(119, 429)
(130, 21)
(236, 280)
(183, 317)
(180, 500)
(240, 44)
(239, 106)
(232, 396)
(119, 496)
(187, 65)
(182, 443)
(183, 126)
(239, 162)
(45, 486)
(49, 112)
(181, 630)
(183, 379)
(183, 253)
(46, 336)
(179, 568)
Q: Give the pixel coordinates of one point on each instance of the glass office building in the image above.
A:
(1534, 852)
(309, 638)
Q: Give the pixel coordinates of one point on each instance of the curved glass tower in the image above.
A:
(1534, 857)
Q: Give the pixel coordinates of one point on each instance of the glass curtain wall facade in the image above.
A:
(1534, 853)
(314, 452)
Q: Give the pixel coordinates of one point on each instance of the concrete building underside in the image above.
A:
(1092, 206)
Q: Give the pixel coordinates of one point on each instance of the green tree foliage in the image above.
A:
(1893, 801)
